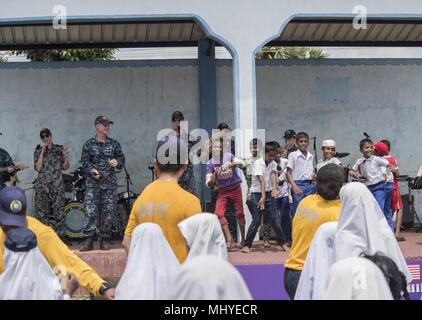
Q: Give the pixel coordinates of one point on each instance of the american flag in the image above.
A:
(415, 271)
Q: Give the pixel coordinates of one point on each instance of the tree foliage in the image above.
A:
(47, 55)
(291, 53)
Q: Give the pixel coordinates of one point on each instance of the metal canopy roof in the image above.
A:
(115, 33)
(101, 34)
(340, 32)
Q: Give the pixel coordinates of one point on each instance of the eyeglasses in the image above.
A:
(45, 136)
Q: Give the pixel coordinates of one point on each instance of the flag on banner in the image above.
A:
(415, 271)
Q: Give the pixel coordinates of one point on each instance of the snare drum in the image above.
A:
(75, 219)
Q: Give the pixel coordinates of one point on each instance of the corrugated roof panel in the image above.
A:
(287, 32)
(187, 30)
(322, 30)
(398, 28)
(418, 33)
(152, 32)
(413, 33)
(405, 32)
(342, 30)
(361, 34)
(141, 32)
(386, 30)
(18, 35)
(197, 33)
(130, 32)
(107, 33)
(296, 31)
(96, 32)
(119, 32)
(52, 34)
(333, 31)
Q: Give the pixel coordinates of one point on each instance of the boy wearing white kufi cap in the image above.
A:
(328, 152)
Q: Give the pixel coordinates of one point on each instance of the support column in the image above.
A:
(207, 98)
(245, 113)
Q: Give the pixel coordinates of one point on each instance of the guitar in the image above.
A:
(17, 167)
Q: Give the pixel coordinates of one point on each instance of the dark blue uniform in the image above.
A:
(101, 195)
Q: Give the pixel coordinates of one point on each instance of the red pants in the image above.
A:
(235, 196)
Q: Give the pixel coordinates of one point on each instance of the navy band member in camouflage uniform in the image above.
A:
(187, 180)
(101, 155)
(6, 166)
(49, 161)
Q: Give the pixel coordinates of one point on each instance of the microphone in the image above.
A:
(366, 135)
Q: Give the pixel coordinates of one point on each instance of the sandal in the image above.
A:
(267, 244)
(245, 250)
(400, 238)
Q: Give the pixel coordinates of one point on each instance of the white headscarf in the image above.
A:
(313, 277)
(204, 236)
(209, 278)
(28, 276)
(356, 279)
(151, 265)
(362, 228)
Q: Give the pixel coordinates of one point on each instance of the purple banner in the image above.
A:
(265, 281)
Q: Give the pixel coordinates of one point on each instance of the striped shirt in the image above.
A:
(302, 166)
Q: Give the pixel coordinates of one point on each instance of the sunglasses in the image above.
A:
(45, 136)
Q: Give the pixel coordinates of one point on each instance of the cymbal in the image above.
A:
(341, 154)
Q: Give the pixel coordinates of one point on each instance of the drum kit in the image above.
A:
(75, 215)
(74, 211)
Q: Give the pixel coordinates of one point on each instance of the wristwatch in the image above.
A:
(104, 287)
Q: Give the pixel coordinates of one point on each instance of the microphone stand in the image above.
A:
(315, 152)
(128, 180)
(151, 167)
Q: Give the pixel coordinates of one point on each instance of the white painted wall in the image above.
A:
(328, 99)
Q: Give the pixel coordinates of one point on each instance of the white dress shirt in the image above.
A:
(302, 166)
(371, 169)
(260, 168)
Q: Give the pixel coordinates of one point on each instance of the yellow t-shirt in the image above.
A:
(58, 256)
(166, 204)
(311, 213)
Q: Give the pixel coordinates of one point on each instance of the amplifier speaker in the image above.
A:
(408, 218)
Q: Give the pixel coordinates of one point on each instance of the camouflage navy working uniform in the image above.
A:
(5, 161)
(101, 195)
(49, 197)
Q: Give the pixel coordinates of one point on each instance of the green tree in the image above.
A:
(2, 59)
(67, 54)
(291, 53)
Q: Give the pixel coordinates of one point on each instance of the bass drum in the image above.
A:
(75, 219)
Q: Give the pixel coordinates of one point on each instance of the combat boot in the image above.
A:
(87, 245)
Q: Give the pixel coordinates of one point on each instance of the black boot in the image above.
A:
(87, 245)
(104, 245)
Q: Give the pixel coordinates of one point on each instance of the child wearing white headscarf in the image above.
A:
(362, 228)
(356, 279)
(204, 236)
(209, 278)
(27, 275)
(151, 265)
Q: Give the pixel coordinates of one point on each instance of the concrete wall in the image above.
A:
(138, 97)
(337, 99)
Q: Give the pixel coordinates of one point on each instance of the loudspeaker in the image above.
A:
(408, 218)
